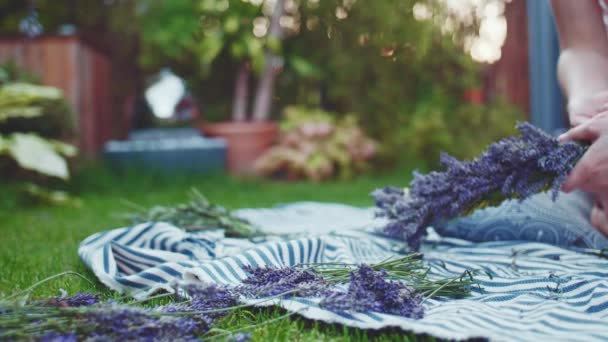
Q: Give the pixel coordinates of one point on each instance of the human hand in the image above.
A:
(599, 218)
(591, 172)
(581, 109)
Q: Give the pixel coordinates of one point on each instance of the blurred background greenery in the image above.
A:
(404, 68)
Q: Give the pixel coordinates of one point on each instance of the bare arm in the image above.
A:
(583, 61)
(583, 74)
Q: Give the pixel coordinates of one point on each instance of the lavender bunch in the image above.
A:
(80, 299)
(369, 290)
(378, 287)
(83, 317)
(514, 167)
(272, 281)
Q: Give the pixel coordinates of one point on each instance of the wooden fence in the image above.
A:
(81, 70)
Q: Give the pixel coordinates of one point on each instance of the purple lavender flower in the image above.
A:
(369, 290)
(514, 167)
(54, 336)
(115, 322)
(271, 281)
(205, 297)
(80, 299)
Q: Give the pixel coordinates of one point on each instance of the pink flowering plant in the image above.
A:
(316, 145)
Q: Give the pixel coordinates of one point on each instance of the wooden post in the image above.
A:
(546, 109)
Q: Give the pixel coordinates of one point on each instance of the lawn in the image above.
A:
(39, 241)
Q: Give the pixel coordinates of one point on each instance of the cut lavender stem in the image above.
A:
(514, 167)
(370, 290)
(80, 299)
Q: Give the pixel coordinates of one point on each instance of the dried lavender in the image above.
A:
(198, 214)
(272, 281)
(54, 336)
(134, 324)
(515, 167)
(80, 299)
(409, 269)
(84, 317)
(59, 321)
(205, 297)
(369, 290)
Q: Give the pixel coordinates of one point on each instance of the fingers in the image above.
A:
(591, 172)
(583, 131)
(599, 220)
(589, 129)
(578, 177)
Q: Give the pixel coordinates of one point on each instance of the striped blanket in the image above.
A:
(528, 291)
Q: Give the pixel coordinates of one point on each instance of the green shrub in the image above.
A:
(32, 108)
(404, 77)
(463, 130)
(30, 116)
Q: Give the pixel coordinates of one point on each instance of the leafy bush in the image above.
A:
(404, 76)
(26, 105)
(463, 130)
(314, 144)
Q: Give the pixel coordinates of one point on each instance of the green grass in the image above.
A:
(40, 241)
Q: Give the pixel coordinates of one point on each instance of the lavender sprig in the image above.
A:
(395, 286)
(272, 281)
(66, 318)
(514, 167)
(369, 290)
(80, 299)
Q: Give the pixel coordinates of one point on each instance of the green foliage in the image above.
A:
(11, 72)
(27, 113)
(462, 131)
(198, 214)
(198, 32)
(316, 145)
(32, 152)
(27, 107)
(37, 194)
(404, 77)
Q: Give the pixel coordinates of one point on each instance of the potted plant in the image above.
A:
(473, 87)
(249, 132)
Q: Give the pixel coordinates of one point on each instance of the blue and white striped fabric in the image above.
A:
(532, 291)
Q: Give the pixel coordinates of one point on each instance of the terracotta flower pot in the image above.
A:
(246, 141)
(474, 95)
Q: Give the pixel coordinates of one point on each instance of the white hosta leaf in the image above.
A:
(19, 112)
(35, 153)
(26, 90)
(63, 148)
(3, 144)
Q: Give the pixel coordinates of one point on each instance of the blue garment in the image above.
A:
(561, 223)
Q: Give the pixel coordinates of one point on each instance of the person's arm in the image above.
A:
(583, 61)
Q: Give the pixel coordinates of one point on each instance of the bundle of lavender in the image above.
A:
(515, 167)
(396, 286)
